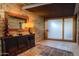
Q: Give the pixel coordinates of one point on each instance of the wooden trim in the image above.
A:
(59, 17)
(63, 29)
(17, 29)
(60, 40)
(44, 30)
(18, 15)
(74, 29)
(13, 29)
(6, 31)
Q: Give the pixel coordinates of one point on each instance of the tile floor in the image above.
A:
(68, 46)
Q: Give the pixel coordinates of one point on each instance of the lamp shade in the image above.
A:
(27, 25)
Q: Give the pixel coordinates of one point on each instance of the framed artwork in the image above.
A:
(15, 22)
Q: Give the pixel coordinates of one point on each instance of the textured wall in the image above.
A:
(78, 27)
(77, 12)
(1, 23)
(46, 29)
(36, 20)
(76, 8)
(1, 27)
(39, 29)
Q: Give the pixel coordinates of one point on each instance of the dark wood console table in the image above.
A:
(11, 46)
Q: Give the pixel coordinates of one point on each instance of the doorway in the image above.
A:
(61, 29)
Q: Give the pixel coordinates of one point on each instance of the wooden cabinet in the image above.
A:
(15, 45)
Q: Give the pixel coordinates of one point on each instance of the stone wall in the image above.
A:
(1, 27)
(78, 27)
(46, 29)
(77, 12)
(36, 20)
(39, 29)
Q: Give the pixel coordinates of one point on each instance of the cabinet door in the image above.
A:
(55, 28)
(0, 47)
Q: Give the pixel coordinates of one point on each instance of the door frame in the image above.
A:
(74, 30)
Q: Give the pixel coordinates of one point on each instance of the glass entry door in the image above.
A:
(55, 29)
(60, 29)
(68, 29)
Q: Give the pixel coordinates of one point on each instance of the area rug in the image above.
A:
(51, 51)
(42, 50)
